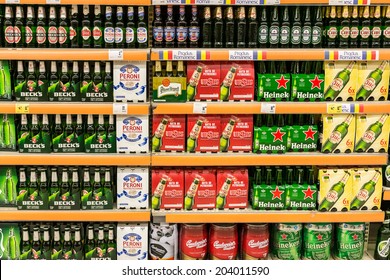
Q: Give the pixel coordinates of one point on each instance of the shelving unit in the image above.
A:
(258, 2)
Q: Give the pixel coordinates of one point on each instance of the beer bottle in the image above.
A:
(317, 30)
(64, 77)
(77, 250)
(101, 247)
(79, 130)
(180, 69)
(268, 177)
(371, 134)
(36, 244)
(9, 188)
(9, 38)
(111, 244)
(170, 29)
(52, 32)
(382, 247)
(45, 130)
(107, 181)
(182, 29)
(142, 31)
(57, 246)
(386, 29)
(376, 32)
(263, 29)
(26, 244)
(193, 30)
(64, 188)
(241, 28)
(75, 186)
(75, 78)
(226, 134)
(229, 28)
(67, 253)
(253, 26)
(89, 247)
(223, 192)
(20, 77)
(227, 83)
(22, 180)
(46, 245)
(30, 28)
(24, 129)
(296, 29)
(158, 135)
(365, 193)
(19, 30)
(274, 29)
(131, 30)
(354, 30)
(33, 185)
(285, 29)
(54, 187)
(337, 135)
(192, 140)
(193, 83)
(101, 130)
(87, 188)
(339, 82)
(120, 31)
(331, 29)
(97, 31)
(158, 28)
(333, 195)
(371, 82)
(57, 130)
(344, 31)
(53, 79)
(157, 194)
(365, 28)
(157, 69)
(218, 28)
(169, 69)
(32, 84)
(74, 34)
(206, 28)
(307, 29)
(68, 128)
(191, 193)
(97, 79)
(107, 80)
(41, 32)
(109, 31)
(63, 29)
(86, 33)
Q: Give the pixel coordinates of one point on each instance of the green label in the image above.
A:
(302, 138)
(30, 91)
(301, 197)
(68, 143)
(274, 87)
(268, 197)
(40, 143)
(32, 201)
(270, 140)
(64, 93)
(97, 199)
(64, 201)
(7, 133)
(287, 241)
(317, 241)
(169, 89)
(350, 241)
(96, 93)
(307, 87)
(96, 143)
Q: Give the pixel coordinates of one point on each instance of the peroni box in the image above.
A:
(169, 133)
(100, 135)
(338, 133)
(33, 190)
(167, 189)
(335, 190)
(5, 81)
(132, 134)
(67, 196)
(372, 133)
(237, 81)
(203, 133)
(132, 241)
(232, 189)
(130, 81)
(341, 80)
(203, 81)
(31, 87)
(8, 183)
(302, 138)
(373, 80)
(10, 241)
(70, 139)
(237, 133)
(132, 187)
(7, 133)
(200, 189)
(273, 87)
(270, 140)
(34, 134)
(307, 87)
(366, 189)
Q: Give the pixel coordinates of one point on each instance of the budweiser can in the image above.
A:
(163, 241)
(223, 243)
(254, 241)
(193, 241)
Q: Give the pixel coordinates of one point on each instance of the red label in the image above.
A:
(243, 84)
(174, 136)
(255, 242)
(204, 196)
(72, 33)
(241, 135)
(41, 35)
(96, 33)
(209, 83)
(52, 35)
(173, 193)
(223, 245)
(9, 34)
(237, 195)
(62, 36)
(28, 35)
(209, 134)
(193, 241)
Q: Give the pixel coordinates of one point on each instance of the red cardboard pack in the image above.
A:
(238, 129)
(235, 194)
(210, 80)
(206, 136)
(204, 195)
(173, 192)
(173, 138)
(243, 85)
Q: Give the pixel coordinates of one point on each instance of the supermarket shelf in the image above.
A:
(249, 159)
(257, 107)
(70, 108)
(386, 195)
(72, 54)
(252, 2)
(11, 214)
(81, 159)
(255, 216)
(81, 2)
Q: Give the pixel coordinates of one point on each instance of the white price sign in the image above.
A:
(119, 108)
(53, 2)
(115, 54)
(349, 2)
(12, 1)
(199, 108)
(268, 108)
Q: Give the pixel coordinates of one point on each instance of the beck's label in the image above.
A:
(130, 81)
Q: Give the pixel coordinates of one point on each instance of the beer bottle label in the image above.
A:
(181, 33)
(157, 33)
(296, 34)
(316, 35)
(109, 35)
(9, 34)
(41, 35)
(263, 34)
(354, 32)
(363, 195)
(72, 33)
(29, 35)
(369, 136)
(52, 35)
(335, 137)
(345, 32)
(130, 35)
(169, 33)
(96, 33)
(337, 84)
(274, 34)
(85, 33)
(118, 35)
(62, 35)
(194, 33)
(376, 32)
(306, 35)
(365, 32)
(369, 84)
(386, 32)
(17, 34)
(142, 35)
(284, 35)
(332, 32)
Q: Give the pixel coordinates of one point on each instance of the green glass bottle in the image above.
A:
(191, 193)
(111, 244)
(365, 192)
(158, 135)
(192, 140)
(225, 138)
(334, 194)
(337, 135)
(157, 195)
(12, 246)
(193, 83)
(370, 83)
(339, 82)
(382, 248)
(6, 132)
(26, 244)
(371, 134)
(227, 83)
(223, 192)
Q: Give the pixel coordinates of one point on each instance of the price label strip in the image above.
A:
(53, 2)
(344, 108)
(252, 2)
(12, 1)
(22, 108)
(115, 54)
(184, 55)
(351, 55)
(247, 55)
(119, 108)
(349, 2)
(199, 108)
(268, 108)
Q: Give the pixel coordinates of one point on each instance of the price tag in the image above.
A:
(352, 55)
(338, 108)
(272, 2)
(349, 2)
(53, 2)
(268, 108)
(12, 1)
(199, 108)
(22, 108)
(115, 54)
(119, 108)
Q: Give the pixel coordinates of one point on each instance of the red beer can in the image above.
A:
(254, 241)
(223, 244)
(193, 241)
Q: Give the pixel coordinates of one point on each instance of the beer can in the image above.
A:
(193, 241)
(254, 241)
(350, 241)
(287, 241)
(163, 241)
(223, 244)
(317, 241)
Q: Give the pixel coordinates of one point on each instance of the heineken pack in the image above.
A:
(366, 188)
(341, 80)
(237, 133)
(203, 133)
(100, 242)
(97, 189)
(33, 188)
(132, 134)
(372, 133)
(8, 184)
(287, 241)
(167, 189)
(64, 85)
(100, 134)
(232, 189)
(34, 134)
(169, 85)
(273, 87)
(130, 81)
(200, 189)
(203, 80)
(169, 133)
(97, 87)
(5, 81)
(237, 81)
(349, 241)
(64, 188)
(302, 133)
(373, 80)
(68, 138)
(7, 133)
(132, 188)
(31, 85)
(270, 138)
(335, 189)
(307, 87)
(338, 133)
(132, 241)
(9, 241)
(317, 241)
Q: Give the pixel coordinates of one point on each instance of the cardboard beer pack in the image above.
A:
(273, 87)
(7, 132)
(200, 189)
(5, 81)
(96, 90)
(30, 197)
(132, 187)
(10, 240)
(132, 241)
(236, 133)
(203, 133)
(130, 81)
(30, 87)
(232, 188)
(71, 199)
(372, 133)
(65, 142)
(132, 134)
(206, 83)
(96, 251)
(373, 80)
(335, 192)
(34, 134)
(301, 196)
(167, 189)
(101, 138)
(307, 87)
(169, 89)
(270, 140)
(338, 133)
(169, 133)
(341, 80)
(67, 88)
(366, 188)
(302, 138)
(8, 183)
(237, 81)
(163, 241)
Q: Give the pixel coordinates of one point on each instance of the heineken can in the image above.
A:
(287, 241)
(350, 241)
(317, 240)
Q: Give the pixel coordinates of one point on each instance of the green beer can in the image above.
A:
(287, 241)
(350, 241)
(317, 240)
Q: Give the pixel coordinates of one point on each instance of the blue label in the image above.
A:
(194, 34)
(169, 33)
(158, 34)
(181, 33)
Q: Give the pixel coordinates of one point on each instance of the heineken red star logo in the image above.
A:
(308, 192)
(309, 133)
(316, 83)
(277, 193)
(278, 135)
(355, 236)
(319, 237)
(282, 82)
(284, 236)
